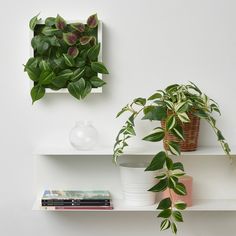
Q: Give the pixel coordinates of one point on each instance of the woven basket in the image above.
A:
(191, 133)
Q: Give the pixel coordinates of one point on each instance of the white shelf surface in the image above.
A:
(106, 150)
(64, 90)
(198, 205)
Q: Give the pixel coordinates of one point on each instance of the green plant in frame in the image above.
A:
(65, 56)
(172, 105)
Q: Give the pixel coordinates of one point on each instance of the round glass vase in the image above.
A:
(83, 136)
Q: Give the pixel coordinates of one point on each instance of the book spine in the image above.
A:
(54, 208)
(74, 203)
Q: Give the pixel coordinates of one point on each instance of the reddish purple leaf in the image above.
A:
(60, 23)
(70, 38)
(85, 40)
(78, 26)
(92, 21)
(73, 51)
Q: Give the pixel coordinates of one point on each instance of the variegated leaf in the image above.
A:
(183, 117)
(92, 21)
(60, 23)
(70, 38)
(73, 51)
(85, 40)
(79, 27)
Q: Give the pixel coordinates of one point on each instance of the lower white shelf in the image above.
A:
(198, 205)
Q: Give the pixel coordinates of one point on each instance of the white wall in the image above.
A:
(147, 45)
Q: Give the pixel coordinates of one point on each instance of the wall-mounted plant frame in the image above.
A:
(73, 56)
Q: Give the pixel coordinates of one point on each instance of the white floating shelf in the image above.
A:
(94, 90)
(198, 205)
(101, 151)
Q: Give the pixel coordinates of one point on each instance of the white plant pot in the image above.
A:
(135, 183)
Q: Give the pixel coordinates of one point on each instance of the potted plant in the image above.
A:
(173, 108)
(65, 57)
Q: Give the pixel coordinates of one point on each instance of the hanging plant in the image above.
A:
(65, 56)
(172, 108)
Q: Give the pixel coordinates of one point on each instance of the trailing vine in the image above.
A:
(171, 105)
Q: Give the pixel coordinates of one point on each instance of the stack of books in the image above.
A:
(76, 200)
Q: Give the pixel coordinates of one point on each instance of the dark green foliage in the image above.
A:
(65, 56)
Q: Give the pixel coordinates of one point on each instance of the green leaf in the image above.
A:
(124, 109)
(181, 107)
(165, 213)
(37, 92)
(60, 23)
(140, 101)
(169, 163)
(178, 166)
(44, 65)
(85, 40)
(49, 31)
(69, 60)
(180, 205)
(32, 63)
(61, 79)
(171, 88)
(219, 135)
(53, 41)
(174, 148)
(165, 224)
(214, 107)
(177, 131)
(157, 162)
(173, 180)
(99, 67)
(130, 130)
(77, 74)
(156, 135)
(165, 204)
(92, 21)
(177, 216)
(32, 69)
(73, 52)
(79, 27)
(96, 82)
(46, 77)
(160, 186)
(161, 176)
(155, 113)
(183, 117)
(79, 62)
(33, 74)
(42, 47)
(93, 52)
(173, 228)
(50, 21)
(155, 96)
(76, 89)
(34, 21)
(70, 38)
(180, 189)
(87, 90)
(170, 122)
(89, 72)
(201, 114)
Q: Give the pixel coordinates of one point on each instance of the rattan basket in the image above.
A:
(191, 133)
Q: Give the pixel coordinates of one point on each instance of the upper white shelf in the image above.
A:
(103, 150)
(198, 205)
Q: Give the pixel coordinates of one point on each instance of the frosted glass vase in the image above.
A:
(83, 136)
